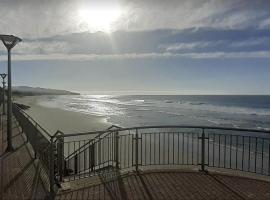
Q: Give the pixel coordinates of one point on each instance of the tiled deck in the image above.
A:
(21, 174)
(21, 178)
(172, 185)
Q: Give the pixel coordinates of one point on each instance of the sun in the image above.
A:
(99, 18)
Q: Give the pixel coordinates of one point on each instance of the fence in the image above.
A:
(42, 144)
(36, 135)
(85, 154)
(69, 157)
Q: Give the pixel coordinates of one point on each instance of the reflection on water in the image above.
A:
(140, 110)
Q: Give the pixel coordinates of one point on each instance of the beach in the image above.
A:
(83, 113)
(53, 119)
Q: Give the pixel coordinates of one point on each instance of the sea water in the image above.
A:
(177, 147)
(147, 110)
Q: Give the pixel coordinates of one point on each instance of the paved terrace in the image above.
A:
(22, 178)
(21, 175)
(170, 184)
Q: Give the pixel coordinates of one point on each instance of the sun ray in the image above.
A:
(99, 18)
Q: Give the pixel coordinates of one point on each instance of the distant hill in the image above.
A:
(32, 91)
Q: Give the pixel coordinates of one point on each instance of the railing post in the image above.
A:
(36, 134)
(92, 157)
(76, 164)
(60, 157)
(137, 151)
(203, 152)
(51, 169)
(116, 149)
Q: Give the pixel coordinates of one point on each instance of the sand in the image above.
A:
(53, 119)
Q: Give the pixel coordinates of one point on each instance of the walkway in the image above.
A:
(171, 185)
(21, 175)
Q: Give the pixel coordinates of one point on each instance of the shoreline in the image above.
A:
(53, 119)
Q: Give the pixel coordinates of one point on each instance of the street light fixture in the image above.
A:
(3, 92)
(9, 41)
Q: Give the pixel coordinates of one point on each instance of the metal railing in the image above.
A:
(75, 156)
(37, 136)
(42, 144)
(84, 154)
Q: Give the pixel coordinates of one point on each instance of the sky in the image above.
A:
(140, 46)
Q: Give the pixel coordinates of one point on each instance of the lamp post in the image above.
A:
(9, 41)
(3, 94)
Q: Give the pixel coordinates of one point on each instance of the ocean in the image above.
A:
(147, 110)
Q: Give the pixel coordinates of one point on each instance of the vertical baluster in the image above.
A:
(178, 148)
(243, 152)
(163, 149)
(74, 149)
(145, 149)
(159, 148)
(51, 166)
(84, 163)
(75, 165)
(121, 151)
(268, 157)
(168, 142)
(89, 158)
(225, 150)
(133, 151)
(183, 148)
(214, 137)
(155, 148)
(256, 143)
(187, 148)
(68, 161)
(198, 149)
(141, 145)
(173, 148)
(60, 157)
(218, 150)
(236, 156)
(249, 153)
(150, 150)
(230, 151)
(137, 151)
(203, 151)
(192, 141)
(262, 156)
(208, 149)
(116, 140)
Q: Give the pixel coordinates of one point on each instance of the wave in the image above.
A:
(127, 111)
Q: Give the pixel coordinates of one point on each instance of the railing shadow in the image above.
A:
(22, 173)
(113, 183)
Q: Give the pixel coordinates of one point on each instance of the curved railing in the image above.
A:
(38, 137)
(163, 146)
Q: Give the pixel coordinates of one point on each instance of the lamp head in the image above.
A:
(3, 76)
(10, 40)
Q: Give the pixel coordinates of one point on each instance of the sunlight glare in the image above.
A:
(100, 18)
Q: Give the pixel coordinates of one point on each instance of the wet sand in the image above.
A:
(53, 119)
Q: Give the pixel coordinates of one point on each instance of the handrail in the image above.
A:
(170, 126)
(119, 129)
(36, 135)
(125, 148)
(90, 141)
(29, 117)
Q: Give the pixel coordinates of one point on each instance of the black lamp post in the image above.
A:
(9, 41)
(3, 92)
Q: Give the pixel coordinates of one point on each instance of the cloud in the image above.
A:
(251, 42)
(95, 57)
(37, 18)
(265, 24)
(190, 43)
(189, 46)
